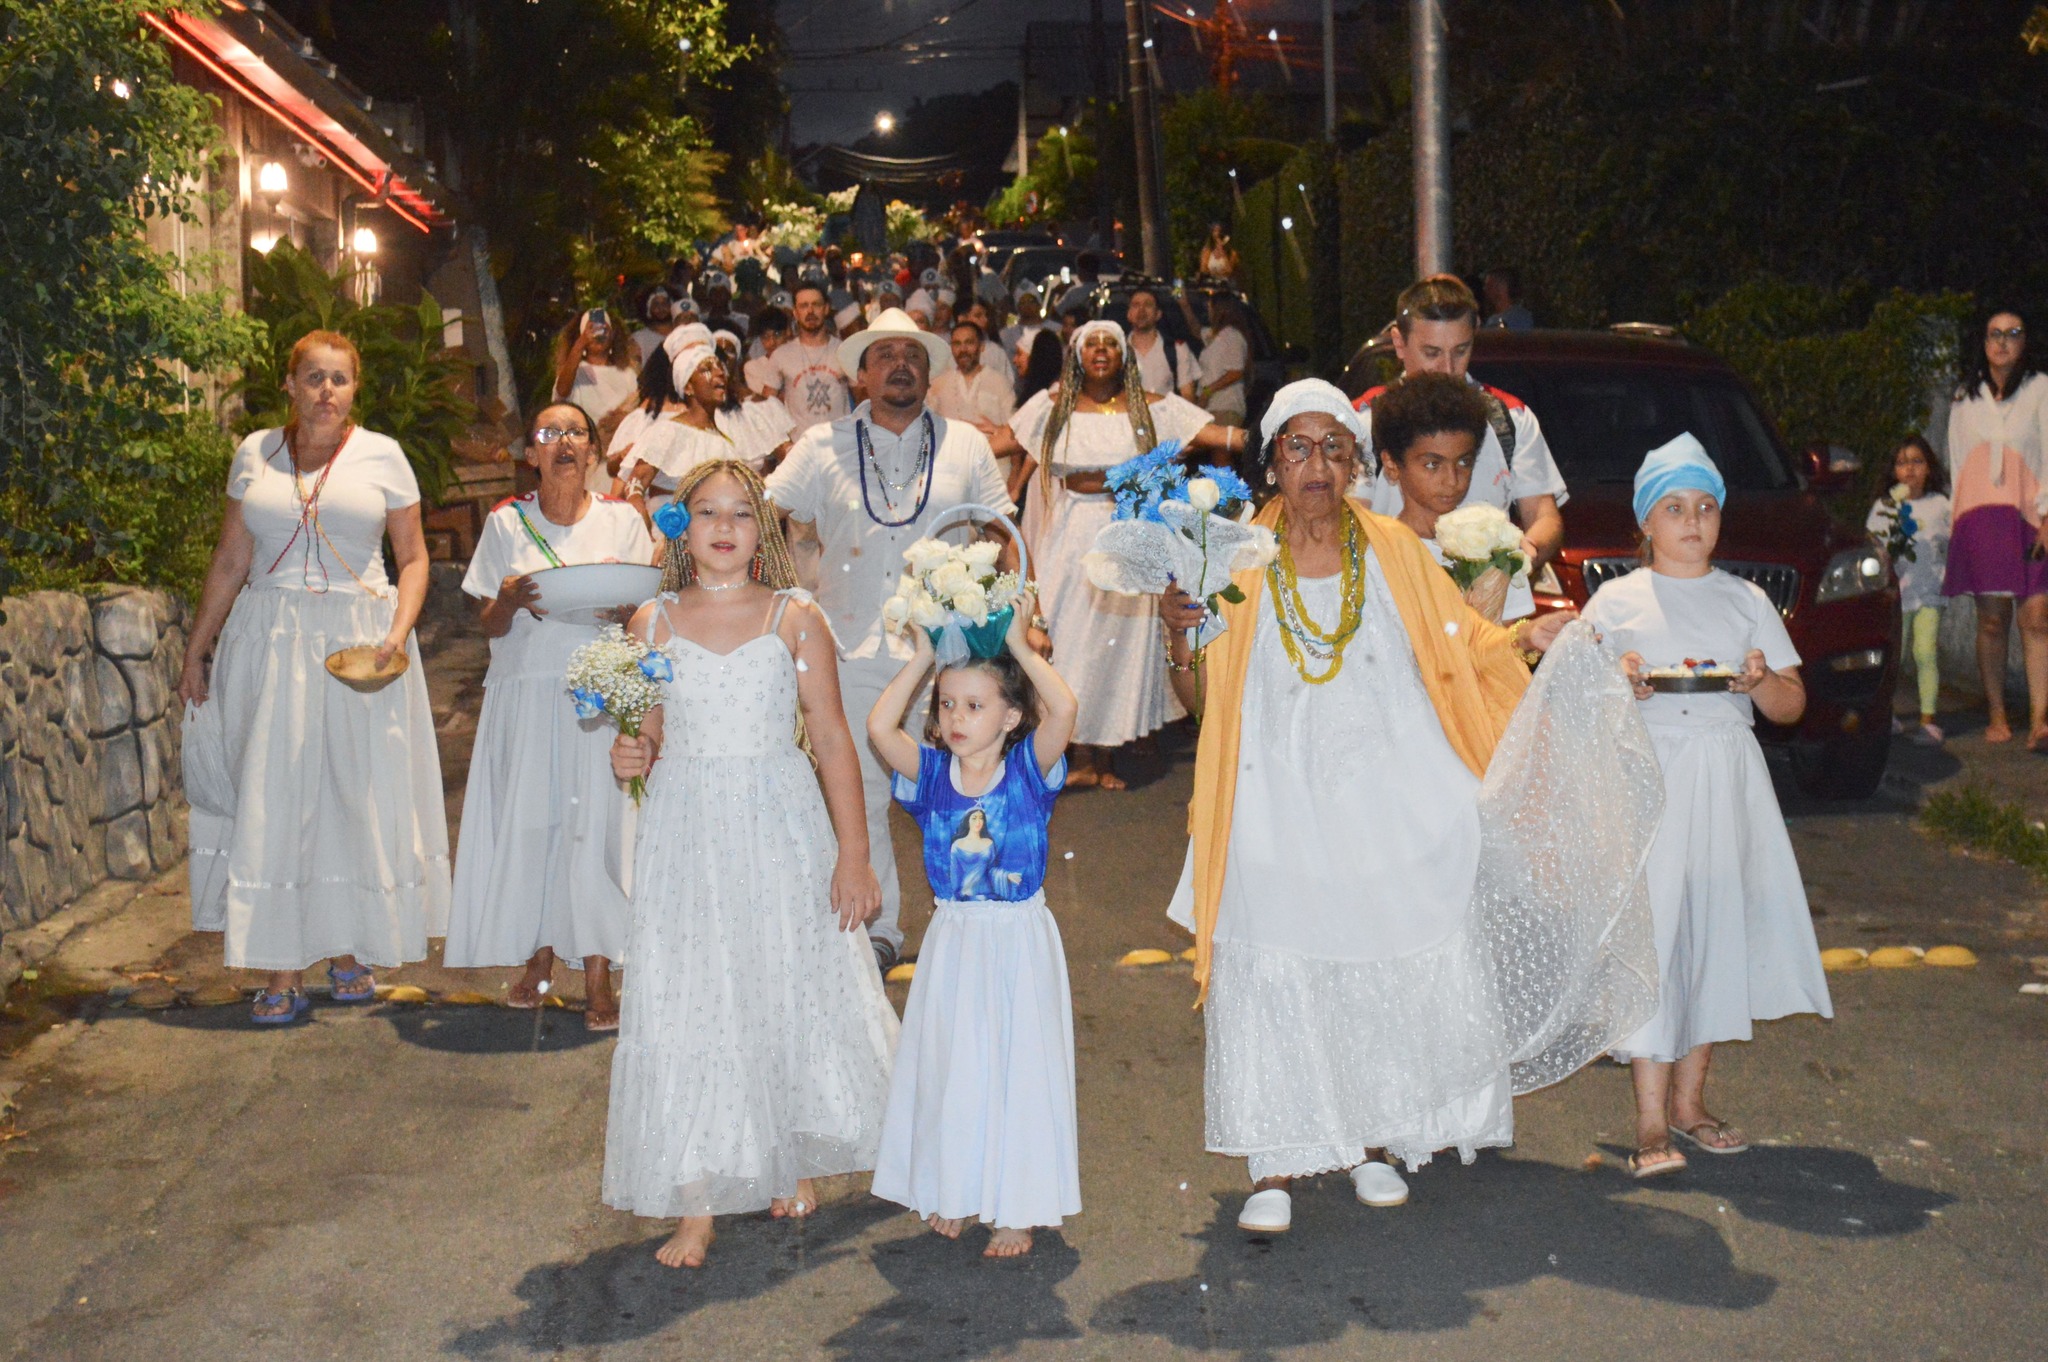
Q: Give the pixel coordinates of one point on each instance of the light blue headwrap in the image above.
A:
(1680, 466)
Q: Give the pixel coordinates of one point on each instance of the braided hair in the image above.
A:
(1135, 404)
(773, 567)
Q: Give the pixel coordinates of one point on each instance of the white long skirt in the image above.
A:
(546, 833)
(1110, 648)
(981, 1111)
(318, 825)
(1735, 939)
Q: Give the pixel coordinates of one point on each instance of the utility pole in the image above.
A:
(1145, 131)
(1330, 71)
(1432, 139)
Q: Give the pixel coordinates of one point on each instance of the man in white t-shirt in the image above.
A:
(993, 355)
(859, 491)
(659, 311)
(972, 391)
(1164, 366)
(1434, 328)
(805, 370)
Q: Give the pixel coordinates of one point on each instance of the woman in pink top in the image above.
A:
(1998, 451)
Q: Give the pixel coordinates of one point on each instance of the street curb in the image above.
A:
(31, 946)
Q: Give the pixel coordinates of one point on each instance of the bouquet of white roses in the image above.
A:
(619, 677)
(1174, 531)
(1476, 538)
(955, 594)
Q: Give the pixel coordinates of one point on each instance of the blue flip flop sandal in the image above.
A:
(356, 985)
(299, 1005)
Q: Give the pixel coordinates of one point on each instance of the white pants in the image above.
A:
(861, 683)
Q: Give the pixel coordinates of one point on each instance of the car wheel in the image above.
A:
(1846, 768)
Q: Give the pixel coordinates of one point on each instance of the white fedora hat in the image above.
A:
(894, 324)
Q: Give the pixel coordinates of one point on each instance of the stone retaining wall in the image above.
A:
(90, 785)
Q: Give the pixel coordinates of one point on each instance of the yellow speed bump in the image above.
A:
(1147, 956)
(1952, 957)
(901, 974)
(1188, 955)
(1896, 957)
(401, 993)
(1844, 958)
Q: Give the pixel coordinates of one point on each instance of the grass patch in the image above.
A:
(1970, 817)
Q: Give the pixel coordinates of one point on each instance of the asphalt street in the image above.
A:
(408, 1181)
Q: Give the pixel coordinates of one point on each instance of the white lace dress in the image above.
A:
(754, 1037)
(1109, 647)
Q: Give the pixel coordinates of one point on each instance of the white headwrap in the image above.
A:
(1103, 324)
(687, 347)
(1310, 394)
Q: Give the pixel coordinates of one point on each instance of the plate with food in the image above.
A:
(1690, 677)
(588, 593)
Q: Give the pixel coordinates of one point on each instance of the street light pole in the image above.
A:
(1330, 71)
(1432, 139)
(1145, 132)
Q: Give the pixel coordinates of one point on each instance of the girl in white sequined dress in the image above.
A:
(755, 1041)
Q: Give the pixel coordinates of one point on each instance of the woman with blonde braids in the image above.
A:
(754, 1045)
(1108, 647)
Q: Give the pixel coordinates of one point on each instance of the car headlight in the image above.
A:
(1853, 572)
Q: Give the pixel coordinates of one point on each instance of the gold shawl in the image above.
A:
(1469, 666)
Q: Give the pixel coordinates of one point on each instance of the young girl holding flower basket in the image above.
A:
(754, 1045)
(981, 1110)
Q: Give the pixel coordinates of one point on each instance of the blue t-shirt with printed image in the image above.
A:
(988, 847)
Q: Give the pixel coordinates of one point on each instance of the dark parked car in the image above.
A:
(1607, 399)
(1035, 265)
(1002, 244)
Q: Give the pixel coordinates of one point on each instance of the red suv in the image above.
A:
(1607, 399)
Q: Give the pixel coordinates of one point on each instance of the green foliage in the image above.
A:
(656, 198)
(96, 337)
(1971, 817)
(1832, 372)
(1203, 137)
(1285, 270)
(409, 383)
(1064, 174)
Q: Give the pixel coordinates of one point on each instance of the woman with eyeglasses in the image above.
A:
(545, 829)
(1370, 993)
(1998, 546)
(1107, 645)
(703, 420)
(318, 827)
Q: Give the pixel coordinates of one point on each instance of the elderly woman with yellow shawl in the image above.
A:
(1107, 645)
(1389, 942)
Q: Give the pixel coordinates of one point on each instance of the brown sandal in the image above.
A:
(1655, 1160)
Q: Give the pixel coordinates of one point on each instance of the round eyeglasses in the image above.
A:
(1335, 448)
(547, 435)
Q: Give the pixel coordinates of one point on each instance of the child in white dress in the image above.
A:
(1735, 940)
(754, 1043)
(981, 1108)
(1920, 520)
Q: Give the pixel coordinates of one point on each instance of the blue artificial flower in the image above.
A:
(656, 667)
(1234, 488)
(1141, 483)
(589, 704)
(672, 519)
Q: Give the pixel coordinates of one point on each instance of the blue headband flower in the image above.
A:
(672, 519)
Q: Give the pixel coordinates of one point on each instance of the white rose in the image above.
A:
(973, 603)
(1901, 493)
(1468, 532)
(952, 578)
(1203, 494)
(1507, 536)
(927, 613)
(927, 554)
(1264, 548)
(982, 554)
(896, 612)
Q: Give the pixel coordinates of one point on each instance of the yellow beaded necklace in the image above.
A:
(1301, 637)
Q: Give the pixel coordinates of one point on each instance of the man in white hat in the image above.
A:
(805, 371)
(859, 491)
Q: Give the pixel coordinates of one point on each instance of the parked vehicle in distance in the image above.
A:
(1002, 244)
(1034, 265)
(1605, 400)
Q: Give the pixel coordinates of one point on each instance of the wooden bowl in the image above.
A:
(357, 669)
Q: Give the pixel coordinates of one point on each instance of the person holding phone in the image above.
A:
(597, 367)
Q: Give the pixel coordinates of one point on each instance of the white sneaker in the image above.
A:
(1379, 1184)
(1267, 1212)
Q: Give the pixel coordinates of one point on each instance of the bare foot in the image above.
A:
(1998, 730)
(1109, 780)
(2037, 741)
(601, 1011)
(950, 1228)
(688, 1245)
(796, 1207)
(1008, 1244)
(525, 992)
(1083, 778)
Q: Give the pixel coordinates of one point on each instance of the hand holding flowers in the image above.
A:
(620, 678)
(954, 595)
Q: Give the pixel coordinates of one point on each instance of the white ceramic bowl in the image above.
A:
(581, 593)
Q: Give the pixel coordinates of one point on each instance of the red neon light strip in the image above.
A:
(236, 82)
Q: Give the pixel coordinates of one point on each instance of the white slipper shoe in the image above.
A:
(1379, 1184)
(1267, 1212)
